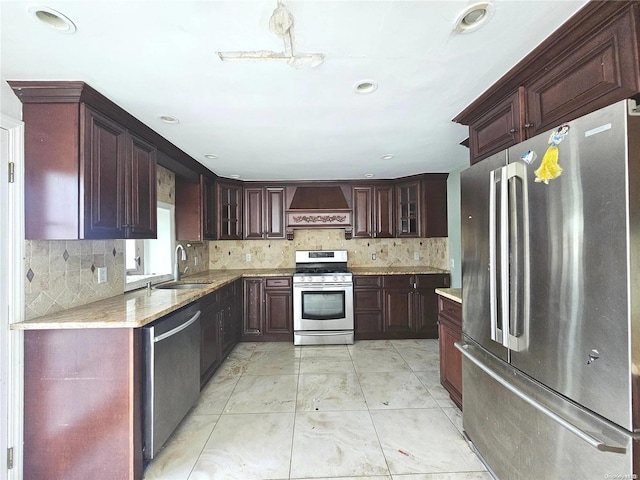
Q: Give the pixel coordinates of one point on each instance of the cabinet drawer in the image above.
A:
(368, 300)
(278, 282)
(450, 309)
(398, 281)
(367, 281)
(433, 280)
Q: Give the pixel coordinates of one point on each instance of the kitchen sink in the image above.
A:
(180, 286)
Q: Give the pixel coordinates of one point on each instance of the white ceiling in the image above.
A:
(268, 120)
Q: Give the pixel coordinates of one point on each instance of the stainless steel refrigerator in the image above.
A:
(551, 304)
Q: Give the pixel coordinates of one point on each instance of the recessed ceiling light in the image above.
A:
(369, 175)
(474, 16)
(53, 19)
(210, 156)
(387, 156)
(169, 119)
(365, 86)
(235, 176)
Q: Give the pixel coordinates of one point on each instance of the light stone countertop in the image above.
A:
(454, 294)
(417, 270)
(137, 308)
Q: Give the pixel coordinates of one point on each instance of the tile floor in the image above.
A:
(374, 410)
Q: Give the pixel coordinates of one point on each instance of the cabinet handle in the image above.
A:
(528, 125)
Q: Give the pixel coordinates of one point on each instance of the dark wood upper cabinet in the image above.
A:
(408, 209)
(208, 192)
(373, 211)
(102, 173)
(141, 204)
(229, 200)
(383, 212)
(264, 212)
(498, 129)
(195, 209)
(593, 74)
(591, 61)
(274, 213)
(434, 205)
(118, 170)
(253, 213)
(88, 173)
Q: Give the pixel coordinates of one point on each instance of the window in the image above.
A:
(151, 260)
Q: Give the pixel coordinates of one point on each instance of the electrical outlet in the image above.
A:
(452, 263)
(248, 257)
(195, 261)
(102, 274)
(373, 256)
(416, 255)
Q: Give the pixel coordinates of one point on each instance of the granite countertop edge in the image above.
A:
(138, 308)
(454, 294)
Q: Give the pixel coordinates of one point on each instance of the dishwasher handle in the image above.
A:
(178, 329)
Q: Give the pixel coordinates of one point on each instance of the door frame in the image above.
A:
(12, 266)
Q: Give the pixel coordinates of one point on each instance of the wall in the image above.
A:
(9, 103)
(454, 227)
(230, 254)
(63, 274)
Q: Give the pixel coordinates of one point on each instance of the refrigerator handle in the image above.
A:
(505, 266)
(595, 442)
(496, 330)
(516, 258)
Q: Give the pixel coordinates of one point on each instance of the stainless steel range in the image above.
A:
(322, 298)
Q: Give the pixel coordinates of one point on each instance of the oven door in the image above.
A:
(323, 307)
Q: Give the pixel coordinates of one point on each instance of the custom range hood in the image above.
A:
(327, 206)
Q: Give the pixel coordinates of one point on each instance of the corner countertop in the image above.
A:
(454, 294)
(139, 307)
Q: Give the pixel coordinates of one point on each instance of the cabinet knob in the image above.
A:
(513, 130)
(528, 125)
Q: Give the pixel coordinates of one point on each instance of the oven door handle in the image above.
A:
(323, 333)
(323, 285)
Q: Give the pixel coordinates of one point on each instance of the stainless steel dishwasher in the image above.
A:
(171, 348)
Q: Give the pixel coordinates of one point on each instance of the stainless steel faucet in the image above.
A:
(176, 267)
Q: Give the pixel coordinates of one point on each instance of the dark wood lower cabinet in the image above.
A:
(450, 326)
(220, 324)
(210, 338)
(268, 309)
(82, 405)
(397, 306)
(367, 303)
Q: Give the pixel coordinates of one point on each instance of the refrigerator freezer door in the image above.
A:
(578, 242)
(518, 438)
(481, 315)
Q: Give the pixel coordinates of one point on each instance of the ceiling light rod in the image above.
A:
(280, 23)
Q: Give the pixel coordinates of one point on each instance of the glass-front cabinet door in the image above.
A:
(230, 212)
(408, 209)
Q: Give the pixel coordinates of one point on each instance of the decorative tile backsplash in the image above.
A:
(166, 186)
(63, 274)
(231, 254)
